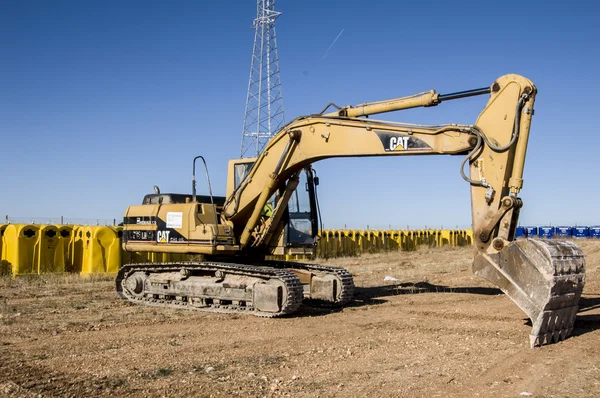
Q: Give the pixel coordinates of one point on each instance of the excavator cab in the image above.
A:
(302, 220)
(297, 236)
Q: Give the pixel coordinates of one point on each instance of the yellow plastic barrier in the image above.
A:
(426, 237)
(128, 257)
(466, 237)
(101, 250)
(407, 240)
(336, 243)
(420, 237)
(383, 241)
(432, 238)
(459, 238)
(371, 241)
(76, 248)
(398, 239)
(392, 240)
(469, 237)
(50, 254)
(435, 238)
(361, 242)
(5, 267)
(347, 243)
(353, 242)
(322, 244)
(156, 257)
(33, 249)
(66, 238)
(413, 239)
(139, 257)
(332, 244)
(344, 247)
(2, 228)
(424, 234)
(356, 241)
(20, 248)
(333, 248)
(378, 242)
(374, 242)
(444, 237)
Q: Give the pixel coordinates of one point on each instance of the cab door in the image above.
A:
(302, 222)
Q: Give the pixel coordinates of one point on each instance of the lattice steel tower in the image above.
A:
(264, 104)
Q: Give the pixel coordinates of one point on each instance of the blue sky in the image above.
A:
(101, 100)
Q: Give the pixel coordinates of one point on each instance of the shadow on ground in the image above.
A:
(585, 323)
(370, 293)
(369, 296)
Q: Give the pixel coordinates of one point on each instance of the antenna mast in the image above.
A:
(264, 103)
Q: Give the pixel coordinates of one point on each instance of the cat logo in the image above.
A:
(394, 142)
(398, 143)
(162, 236)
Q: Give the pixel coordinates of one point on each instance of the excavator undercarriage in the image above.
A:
(274, 289)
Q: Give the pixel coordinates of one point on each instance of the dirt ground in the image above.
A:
(438, 331)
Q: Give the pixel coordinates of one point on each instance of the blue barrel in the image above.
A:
(531, 231)
(581, 232)
(595, 232)
(564, 232)
(520, 232)
(546, 232)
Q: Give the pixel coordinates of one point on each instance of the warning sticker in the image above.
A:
(174, 219)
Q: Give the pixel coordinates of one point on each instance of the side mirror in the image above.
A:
(316, 180)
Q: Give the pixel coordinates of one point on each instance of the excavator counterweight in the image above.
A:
(233, 235)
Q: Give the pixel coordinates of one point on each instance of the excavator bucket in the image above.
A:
(544, 278)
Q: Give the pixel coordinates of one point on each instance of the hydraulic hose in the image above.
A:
(482, 137)
(478, 183)
(516, 128)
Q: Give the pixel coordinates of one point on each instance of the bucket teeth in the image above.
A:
(545, 278)
(554, 326)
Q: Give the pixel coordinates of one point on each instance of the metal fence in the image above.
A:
(61, 220)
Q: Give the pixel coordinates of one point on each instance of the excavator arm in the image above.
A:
(495, 147)
(544, 278)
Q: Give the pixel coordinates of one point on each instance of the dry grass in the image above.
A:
(51, 279)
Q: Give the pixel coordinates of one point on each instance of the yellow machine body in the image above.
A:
(254, 219)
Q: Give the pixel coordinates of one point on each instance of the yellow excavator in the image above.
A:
(234, 235)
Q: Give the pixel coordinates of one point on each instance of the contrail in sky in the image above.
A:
(336, 39)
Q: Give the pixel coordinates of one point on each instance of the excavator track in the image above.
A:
(343, 289)
(211, 287)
